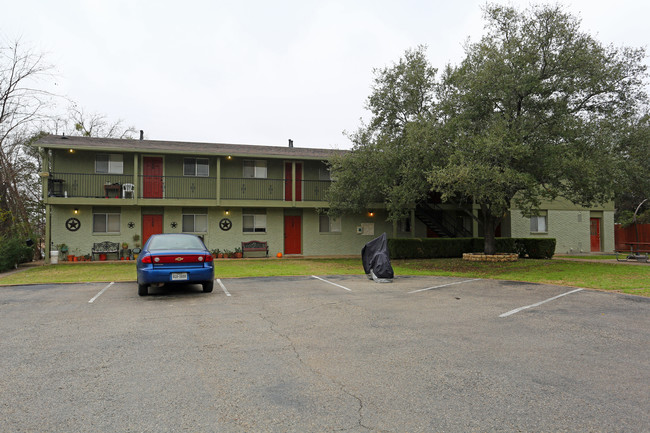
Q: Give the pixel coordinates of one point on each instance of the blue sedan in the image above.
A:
(174, 258)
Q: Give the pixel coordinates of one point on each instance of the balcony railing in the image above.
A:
(182, 187)
(87, 185)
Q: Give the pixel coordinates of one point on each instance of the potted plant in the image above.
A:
(238, 253)
(227, 253)
(215, 252)
(136, 240)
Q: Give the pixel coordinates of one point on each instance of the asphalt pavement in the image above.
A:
(324, 353)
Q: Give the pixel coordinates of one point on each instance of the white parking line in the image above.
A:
(329, 282)
(223, 287)
(100, 293)
(444, 285)
(516, 310)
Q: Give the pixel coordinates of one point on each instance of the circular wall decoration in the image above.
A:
(72, 224)
(225, 224)
(131, 224)
(173, 224)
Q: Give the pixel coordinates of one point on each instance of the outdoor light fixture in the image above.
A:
(229, 157)
(227, 211)
(76, 211)
(71, 150)
(371, 214)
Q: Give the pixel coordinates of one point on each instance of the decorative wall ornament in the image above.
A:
(225, 224)
(173, 224)
(72, 224)
(131, 224)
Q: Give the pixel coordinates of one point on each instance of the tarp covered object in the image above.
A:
(376, 259)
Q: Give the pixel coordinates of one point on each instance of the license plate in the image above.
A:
(179, 276)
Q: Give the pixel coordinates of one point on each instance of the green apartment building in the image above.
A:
(97, 189)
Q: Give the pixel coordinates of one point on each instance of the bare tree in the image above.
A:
(98, 125)
(22, 105)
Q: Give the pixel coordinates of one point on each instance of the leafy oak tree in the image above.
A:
(533, 112)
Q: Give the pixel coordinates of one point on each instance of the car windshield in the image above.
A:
(176, 242)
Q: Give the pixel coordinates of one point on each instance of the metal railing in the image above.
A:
(87, 185)
(182, 187)
(252, 189)
(177, 187)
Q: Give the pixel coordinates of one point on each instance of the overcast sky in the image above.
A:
(256, 72)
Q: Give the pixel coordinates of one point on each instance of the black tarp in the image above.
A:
(376, 259)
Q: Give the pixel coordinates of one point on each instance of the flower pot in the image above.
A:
(220, 256)
(70, 258)
(102, 257)
(239, 255)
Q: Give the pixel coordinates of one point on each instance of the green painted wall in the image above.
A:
(570, 228)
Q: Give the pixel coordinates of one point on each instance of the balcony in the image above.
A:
(183, 187)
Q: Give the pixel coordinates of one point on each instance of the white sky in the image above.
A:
(256, 72)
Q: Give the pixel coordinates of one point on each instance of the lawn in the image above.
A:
(603, 276)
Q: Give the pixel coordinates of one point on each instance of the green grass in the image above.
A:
(590, 257)
(603, 276)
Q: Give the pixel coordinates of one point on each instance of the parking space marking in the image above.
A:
(329, 282)
(516, 310)
(223, 287)
(100, 293)
(444, 285)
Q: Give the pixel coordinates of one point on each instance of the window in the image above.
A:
(106, 222)
(196, 167)
(195, 222)
(404, 225)
(324, 173)
(328, 224)
(254, 221)
(255, 168)
(538, 224)
(109, 163)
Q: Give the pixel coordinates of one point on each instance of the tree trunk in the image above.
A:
(489, 229)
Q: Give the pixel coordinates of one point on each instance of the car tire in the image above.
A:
(143, 289)
(208, 286)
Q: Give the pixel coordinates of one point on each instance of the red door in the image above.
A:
(595, 234)
(292, 235)
(151, 225)
(288, 176)
(153, 182)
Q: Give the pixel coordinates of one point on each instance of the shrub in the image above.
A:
(431, 248)
(13, 251)
(536, 248)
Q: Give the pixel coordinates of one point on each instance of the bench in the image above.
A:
(255, 246)
(106, 247)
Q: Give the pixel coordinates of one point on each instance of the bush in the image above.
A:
(13, 251)
(536, 248)
(431, 248)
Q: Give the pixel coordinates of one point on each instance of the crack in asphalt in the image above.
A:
(341, 386)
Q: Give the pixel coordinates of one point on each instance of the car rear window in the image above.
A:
(176, 243)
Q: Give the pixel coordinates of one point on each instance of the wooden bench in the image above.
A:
(255, 246)
(106, 247)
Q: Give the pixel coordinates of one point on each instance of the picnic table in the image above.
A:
(638, 251)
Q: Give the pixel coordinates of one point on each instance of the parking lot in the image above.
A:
(324, 353)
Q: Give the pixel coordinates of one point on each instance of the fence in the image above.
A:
(629, 234)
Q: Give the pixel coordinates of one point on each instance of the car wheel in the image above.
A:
(208, 286)
(143, 289)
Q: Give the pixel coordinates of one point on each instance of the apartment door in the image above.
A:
(292, 234)
(151, 225)
(288, 177)
(152, 183)
(595, 234)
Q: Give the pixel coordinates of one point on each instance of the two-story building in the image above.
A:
(98, 189)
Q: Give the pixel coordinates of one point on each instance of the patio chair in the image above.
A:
(127, 188)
